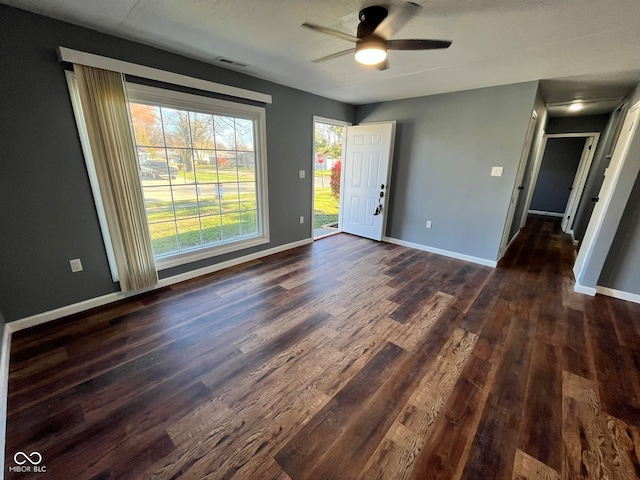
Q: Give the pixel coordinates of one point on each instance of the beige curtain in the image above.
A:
(104, 103)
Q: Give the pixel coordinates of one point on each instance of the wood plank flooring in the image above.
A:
(345, 359)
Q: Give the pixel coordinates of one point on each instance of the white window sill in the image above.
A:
(170, 261)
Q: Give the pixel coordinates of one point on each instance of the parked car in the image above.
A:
(158, 169)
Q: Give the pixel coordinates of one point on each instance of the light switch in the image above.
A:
(76, 265)
(496, 171)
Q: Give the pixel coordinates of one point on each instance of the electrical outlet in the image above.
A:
(302, 174)
(76, 265)
(428, 223)
(301, 219)
(496, 171)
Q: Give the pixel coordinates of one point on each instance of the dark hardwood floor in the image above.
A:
(346, 359)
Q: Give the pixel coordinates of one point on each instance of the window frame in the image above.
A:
(138, 93)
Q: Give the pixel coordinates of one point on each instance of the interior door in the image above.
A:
(507, 236)
(578, 184)
(367, 170)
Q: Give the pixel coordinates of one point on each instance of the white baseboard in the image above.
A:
(446, 253)
(585, 290)
(51, 315)
(611, 292)
(67, 310)
(48, 316)
(548, 214)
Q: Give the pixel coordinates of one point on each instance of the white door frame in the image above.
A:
(612, 175)
(517, 190)
(538, 162)
(329, 121)
(579, 181)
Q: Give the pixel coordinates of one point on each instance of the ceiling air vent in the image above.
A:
(230, 63)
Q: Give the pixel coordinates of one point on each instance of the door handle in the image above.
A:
(521, 187)
(379, 207)
(595, 199)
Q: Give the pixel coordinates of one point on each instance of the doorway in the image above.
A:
(562, 173)
(327, 169)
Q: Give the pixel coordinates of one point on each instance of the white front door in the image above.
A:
(367, 170)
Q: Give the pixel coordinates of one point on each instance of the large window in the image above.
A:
(203, 173)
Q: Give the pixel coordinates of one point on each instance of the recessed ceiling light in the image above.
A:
(576, 106)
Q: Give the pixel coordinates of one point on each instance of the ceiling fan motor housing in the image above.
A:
(370, 18)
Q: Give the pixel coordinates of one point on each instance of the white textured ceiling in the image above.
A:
(585, 48)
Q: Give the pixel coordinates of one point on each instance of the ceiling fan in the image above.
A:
(371, 46)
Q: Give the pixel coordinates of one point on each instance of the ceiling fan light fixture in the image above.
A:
(371, 51)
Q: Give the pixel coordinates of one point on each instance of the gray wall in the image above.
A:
(577, 124)
(445, 148)
(48, 215)
(557, 171)
(622, 269)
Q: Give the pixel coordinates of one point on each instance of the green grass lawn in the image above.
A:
(215, 228)
(219, 222)
(194, 232)
(163, 211)
(208, 173)
(325, 207)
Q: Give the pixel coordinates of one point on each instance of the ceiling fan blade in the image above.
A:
(398, 17)
(335, 55)
(414, 44)
(330, 31)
